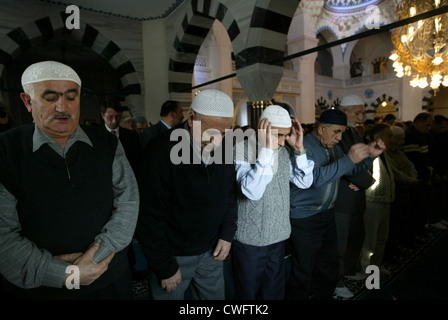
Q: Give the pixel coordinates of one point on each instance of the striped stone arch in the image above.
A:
(22, 38)
(374, 105)
(194, 28)
(265, 26)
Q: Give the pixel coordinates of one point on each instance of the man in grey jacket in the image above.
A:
(315, 267)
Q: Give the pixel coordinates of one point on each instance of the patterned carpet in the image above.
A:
(141, 289)
(403, 258)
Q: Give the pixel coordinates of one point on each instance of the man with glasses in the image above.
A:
(68, 198)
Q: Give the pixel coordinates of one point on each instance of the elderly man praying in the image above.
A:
(68, 197)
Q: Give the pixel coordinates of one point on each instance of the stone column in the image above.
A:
(302, 36)
(341, 71)
(410, 100)
(218, 50)
(259, 82)
(155, 65)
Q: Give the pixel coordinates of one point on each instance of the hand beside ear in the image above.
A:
(264, 133)
(295, 139)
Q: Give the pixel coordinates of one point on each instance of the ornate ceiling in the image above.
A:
(130, 9)
(157, 9)
(346, 6)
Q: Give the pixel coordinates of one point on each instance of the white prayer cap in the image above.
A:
(351, 100)
(277, 116)
(213, 103)
(396, 131)
(49, 70)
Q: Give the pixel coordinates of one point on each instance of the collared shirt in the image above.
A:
(117, 131)
(166, 125)
(253, 179)
(47, 270)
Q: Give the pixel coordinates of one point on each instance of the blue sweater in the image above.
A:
(329, 166)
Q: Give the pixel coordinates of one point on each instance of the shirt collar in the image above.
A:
(109, 129)
(40, 138)
(166, 125)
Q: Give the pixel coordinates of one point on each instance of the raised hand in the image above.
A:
(264, 134)
(358, 152)
(295, 138)
(376, 148)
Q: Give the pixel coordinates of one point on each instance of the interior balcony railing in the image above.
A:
(364, 80)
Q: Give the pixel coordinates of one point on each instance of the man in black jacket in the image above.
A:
(188, 211)
(416, 148)
(111, 112)
(171, 114)
(351, 201)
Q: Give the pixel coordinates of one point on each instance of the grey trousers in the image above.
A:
(377, 232)
(202, 274)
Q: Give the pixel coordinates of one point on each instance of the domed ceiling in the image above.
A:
(349, 6)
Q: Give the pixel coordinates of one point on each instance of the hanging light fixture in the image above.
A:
(421, 51)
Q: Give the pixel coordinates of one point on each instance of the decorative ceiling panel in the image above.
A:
(129, 9)
(346, 6)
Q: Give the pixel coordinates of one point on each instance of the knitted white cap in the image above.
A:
(49, 70)
(351, 100)
(277, 116)
(214, 103)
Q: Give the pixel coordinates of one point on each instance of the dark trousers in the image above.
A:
(259, 271)
(420, 207)
(437, 196)
(315, 263)
(119, 289)
(351, 234)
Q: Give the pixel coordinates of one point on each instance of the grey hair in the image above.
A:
(140, 119)
(319, 123)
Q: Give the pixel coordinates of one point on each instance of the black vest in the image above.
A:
(62, 203)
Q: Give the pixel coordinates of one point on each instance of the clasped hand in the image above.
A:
(89, 269)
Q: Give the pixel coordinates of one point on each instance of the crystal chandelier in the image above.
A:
(421, 47)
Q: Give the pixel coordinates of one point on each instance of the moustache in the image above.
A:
(62, 115)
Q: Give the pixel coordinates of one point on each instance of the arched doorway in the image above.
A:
(99, 80)
(103, 67)
(384, 108)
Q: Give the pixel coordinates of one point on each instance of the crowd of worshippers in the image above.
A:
(75, 199)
